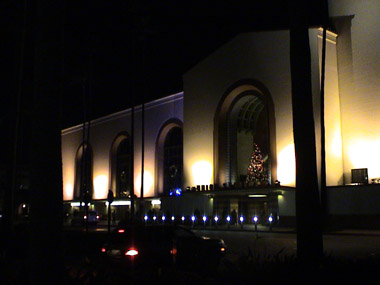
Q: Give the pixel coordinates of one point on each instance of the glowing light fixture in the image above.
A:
(154, 218)
(216, 219)
(146, 218)
(257, 196)
(119, 203)
(255, 219)
(183, 218)
(156, 202)
(228, 218)
(241, 219)
(77, 204)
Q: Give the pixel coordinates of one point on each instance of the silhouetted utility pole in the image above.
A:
(308, 207)
(323, 133)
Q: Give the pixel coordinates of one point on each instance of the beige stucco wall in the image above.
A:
(358, 46)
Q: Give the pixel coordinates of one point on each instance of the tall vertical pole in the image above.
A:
(132, 159)
(323, 133)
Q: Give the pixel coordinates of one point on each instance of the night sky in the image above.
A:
(105, 43)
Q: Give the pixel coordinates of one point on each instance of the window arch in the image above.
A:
(169, 157)
(121, 171)
(244, 120)
(83, 171)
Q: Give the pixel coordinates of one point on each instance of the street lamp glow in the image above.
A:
(204, 218)
(163, 218)
(228, 218)
(183, 218)
(146, 217)
(270, 219)
(216, 219)
(154, 218)
(241, 219)
(193, 218)
(173, 218)
(255, 219)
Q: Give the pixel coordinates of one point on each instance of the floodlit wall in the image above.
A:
(103, 131)
(333, 134)
(358, 48)
(262, 56)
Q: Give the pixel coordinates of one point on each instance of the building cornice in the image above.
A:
(114, 116)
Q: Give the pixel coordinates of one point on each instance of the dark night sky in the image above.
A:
(103, 46)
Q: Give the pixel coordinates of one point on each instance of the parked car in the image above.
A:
(163, 245)
(80, 218)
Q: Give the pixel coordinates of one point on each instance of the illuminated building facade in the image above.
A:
(235, 114)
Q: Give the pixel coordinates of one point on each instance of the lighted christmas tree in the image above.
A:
(255, 171)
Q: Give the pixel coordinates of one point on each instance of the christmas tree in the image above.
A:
(255, 171)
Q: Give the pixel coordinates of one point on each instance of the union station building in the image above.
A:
(225, 144)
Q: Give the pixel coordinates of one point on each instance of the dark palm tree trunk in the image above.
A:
(308, 208)
(46, 191)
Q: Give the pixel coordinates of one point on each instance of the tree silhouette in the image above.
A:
(308, 208)
(46, 202)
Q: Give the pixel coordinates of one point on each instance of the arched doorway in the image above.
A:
(121, 174)
(169, 157)
(244, 135)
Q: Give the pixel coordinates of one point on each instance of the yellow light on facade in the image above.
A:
(365, 154)
(68, 194)
(148, 184)
(286, 166)
(100, 187)
(202, 172)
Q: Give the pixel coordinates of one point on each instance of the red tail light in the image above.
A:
(121, 231)
(103, 249)
(131, 252)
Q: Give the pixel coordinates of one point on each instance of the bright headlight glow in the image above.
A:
(132, 252)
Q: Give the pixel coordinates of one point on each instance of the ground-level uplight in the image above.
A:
(216, 219)
(154, 218)
(146, 218)
(173, 218)
(228, 219)
(204, 218)
(163, 219)
(193, 218)
(255, 221)
(270, 220)
(241, 219)
(183, 219)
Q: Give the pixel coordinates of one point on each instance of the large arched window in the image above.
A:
(83, 171)
(173, 160)
(244, 138)
(121, 174)
(169, 157)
